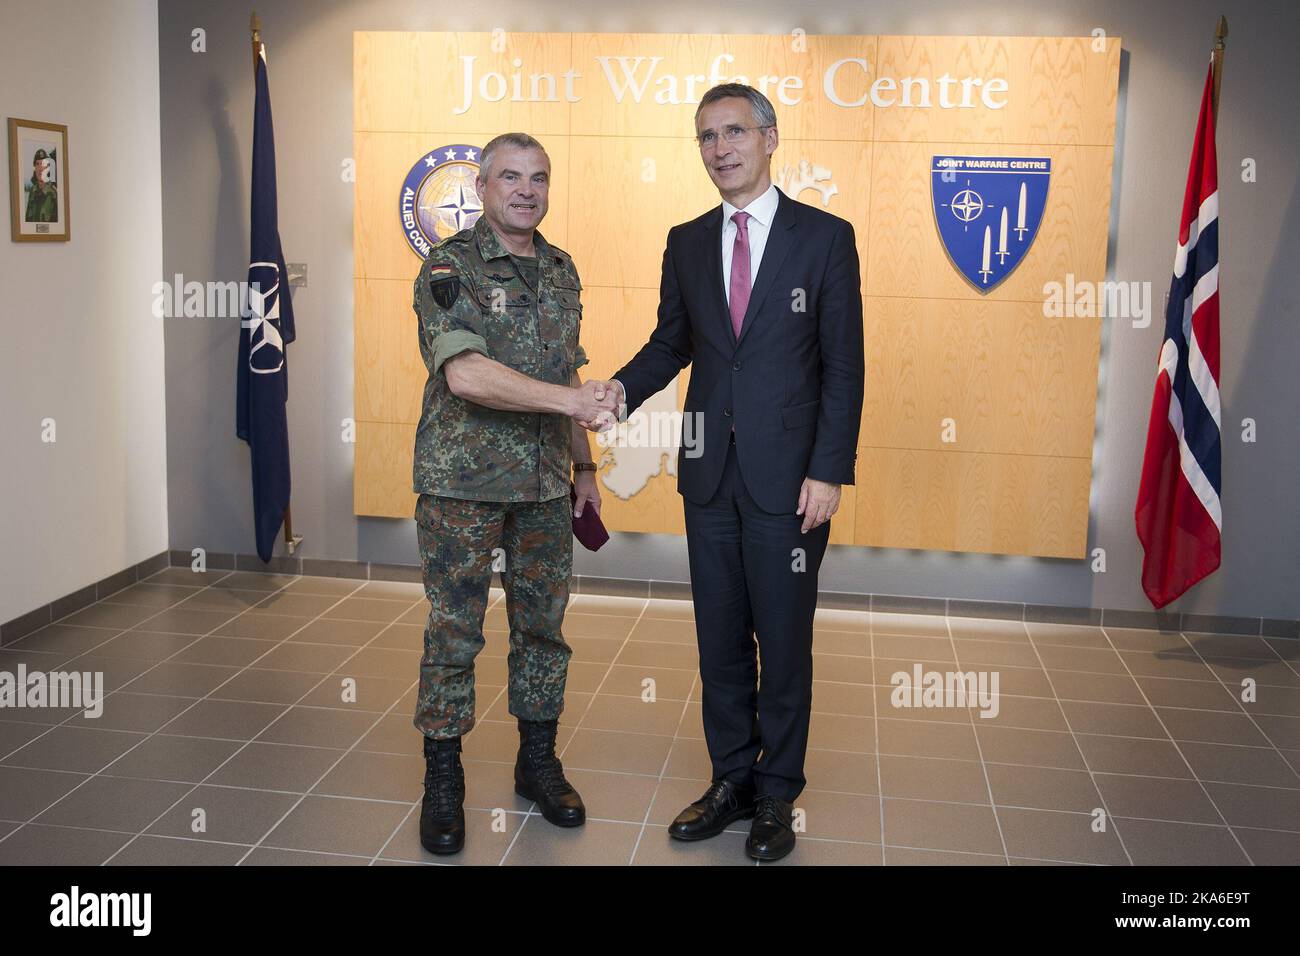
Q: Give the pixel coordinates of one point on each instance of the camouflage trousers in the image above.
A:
(458, 542)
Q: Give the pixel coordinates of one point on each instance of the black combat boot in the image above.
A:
(539, 776)
(442, 814)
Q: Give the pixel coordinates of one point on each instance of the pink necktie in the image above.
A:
(739, 272)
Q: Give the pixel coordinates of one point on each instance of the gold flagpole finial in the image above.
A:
(1220, 33)
(255, 25)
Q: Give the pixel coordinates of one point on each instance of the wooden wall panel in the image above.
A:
(412, 82)
(388, 367)
(1013, 381)
(1060, 89)
(1019, 388)
(972, 501)
(619, 240)
(381, 479)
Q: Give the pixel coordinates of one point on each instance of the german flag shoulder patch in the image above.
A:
(444, 285)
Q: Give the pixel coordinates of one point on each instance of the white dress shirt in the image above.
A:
(761, 212)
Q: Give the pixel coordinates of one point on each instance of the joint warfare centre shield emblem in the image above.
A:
(987, 210)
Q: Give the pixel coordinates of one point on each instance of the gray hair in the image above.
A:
(759, 105)
(517, 140)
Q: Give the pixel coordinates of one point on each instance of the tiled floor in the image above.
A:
(227, 739)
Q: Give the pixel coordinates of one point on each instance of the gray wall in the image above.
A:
(80, 345)
(206, 119)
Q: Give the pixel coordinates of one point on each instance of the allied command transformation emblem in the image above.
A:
(438, 197)
(987, 210)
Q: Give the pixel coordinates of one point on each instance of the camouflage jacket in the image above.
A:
(42, 204)
(470, 297)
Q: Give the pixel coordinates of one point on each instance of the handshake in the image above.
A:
(597, 406)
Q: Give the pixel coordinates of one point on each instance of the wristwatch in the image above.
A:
(584, 466)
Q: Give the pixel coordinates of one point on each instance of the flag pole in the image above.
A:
(291, 541)
(1220, 33)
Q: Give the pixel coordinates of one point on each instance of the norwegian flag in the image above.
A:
(1178, 514)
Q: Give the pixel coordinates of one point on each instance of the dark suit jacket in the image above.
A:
(792, 384)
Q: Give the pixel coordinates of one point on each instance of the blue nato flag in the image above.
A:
(266, 330)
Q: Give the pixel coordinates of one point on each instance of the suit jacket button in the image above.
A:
(736, 367)
(727, 412)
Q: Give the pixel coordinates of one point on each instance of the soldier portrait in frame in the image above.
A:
(38, 182)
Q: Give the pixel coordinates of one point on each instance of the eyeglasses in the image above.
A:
(732, 134)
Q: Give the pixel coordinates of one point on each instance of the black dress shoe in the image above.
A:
(722, 804)
(771, 835)
(539, 775)
(442, 812)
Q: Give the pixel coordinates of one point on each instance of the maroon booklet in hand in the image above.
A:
(589, 529)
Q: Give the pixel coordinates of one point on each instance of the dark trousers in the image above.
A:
(754, 574)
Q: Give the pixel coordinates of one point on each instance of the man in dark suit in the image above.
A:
(762, 297)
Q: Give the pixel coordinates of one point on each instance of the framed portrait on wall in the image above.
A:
(38, 182)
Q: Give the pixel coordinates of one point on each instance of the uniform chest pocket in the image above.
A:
(566, 300)
(501, 298)
(508, 323)
(560, 319)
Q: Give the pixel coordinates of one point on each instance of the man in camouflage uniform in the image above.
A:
(43, 192)
(504, 415)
